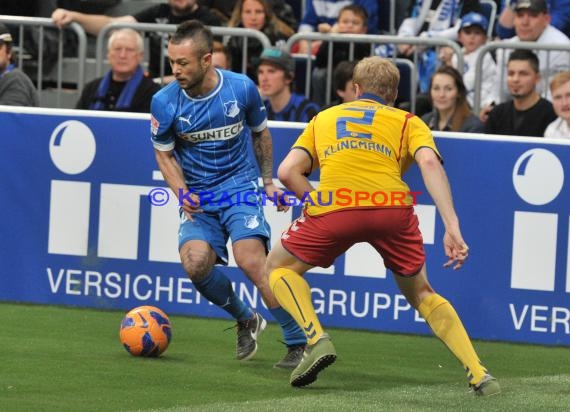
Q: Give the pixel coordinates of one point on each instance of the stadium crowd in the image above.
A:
(467, 22)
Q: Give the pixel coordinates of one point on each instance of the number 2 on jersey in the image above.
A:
(366, 119)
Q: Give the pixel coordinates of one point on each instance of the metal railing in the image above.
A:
(40, 24)
(374, 40)
(393, 28)
(167, 29)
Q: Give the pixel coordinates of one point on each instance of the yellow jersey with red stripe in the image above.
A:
(362, 149)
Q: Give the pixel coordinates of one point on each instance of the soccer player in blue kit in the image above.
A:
(200, 128)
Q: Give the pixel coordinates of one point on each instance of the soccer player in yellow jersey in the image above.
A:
(362, 148)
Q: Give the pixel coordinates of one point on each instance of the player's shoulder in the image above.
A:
(368, 105)
(235, 78)
(168, 91)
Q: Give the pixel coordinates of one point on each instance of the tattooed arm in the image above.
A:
(263, 149)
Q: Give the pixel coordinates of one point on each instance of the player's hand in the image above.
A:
(191, 206)
(61, 17)
(273, 192)
(455, 249)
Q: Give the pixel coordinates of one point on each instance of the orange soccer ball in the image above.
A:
(145, 331)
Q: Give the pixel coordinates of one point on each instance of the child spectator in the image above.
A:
(352, 19)
(473, 35)
(431, 18)
(321, 15)
(342, 82)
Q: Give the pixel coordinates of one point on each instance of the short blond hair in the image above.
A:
(558, 80)
(378, 76)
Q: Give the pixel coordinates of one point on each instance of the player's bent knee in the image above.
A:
(196, 268)
(197, 260)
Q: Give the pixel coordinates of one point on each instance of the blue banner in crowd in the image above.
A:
(88, 221)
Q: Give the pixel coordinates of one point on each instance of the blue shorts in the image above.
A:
(234, 214)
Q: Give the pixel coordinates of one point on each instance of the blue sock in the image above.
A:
(292, 333)
(217, 288)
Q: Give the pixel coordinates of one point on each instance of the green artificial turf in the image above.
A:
(70, 359)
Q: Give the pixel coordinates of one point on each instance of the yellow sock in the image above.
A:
(294, 295)
(446, 325)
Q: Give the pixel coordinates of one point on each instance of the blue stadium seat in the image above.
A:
(384, 11)
(407, 89)
(301, 70)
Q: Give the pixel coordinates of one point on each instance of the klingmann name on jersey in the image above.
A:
(219, 133)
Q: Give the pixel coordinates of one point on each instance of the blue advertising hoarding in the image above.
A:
(78, 229)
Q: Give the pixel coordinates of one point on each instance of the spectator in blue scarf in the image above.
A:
(125, 87)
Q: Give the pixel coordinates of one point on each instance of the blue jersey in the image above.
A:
(210, 135)
(299, 109)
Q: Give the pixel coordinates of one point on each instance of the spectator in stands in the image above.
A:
(472, 35)
(221, 56)
(125, 86)
(256, 15)
(275, 75)
(532, 24)
(352, 19)
(527, 114)
(431, 18)
(560, 89)
(175, 12)
(448, 97)
(559, 11)
(322, 16)
(16, 88)
(342, 82)
(224, 9)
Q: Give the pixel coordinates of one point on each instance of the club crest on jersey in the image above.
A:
(231, 108)
(154, 125)
(251, 222)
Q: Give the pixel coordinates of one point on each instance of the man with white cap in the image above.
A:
(16, 88)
